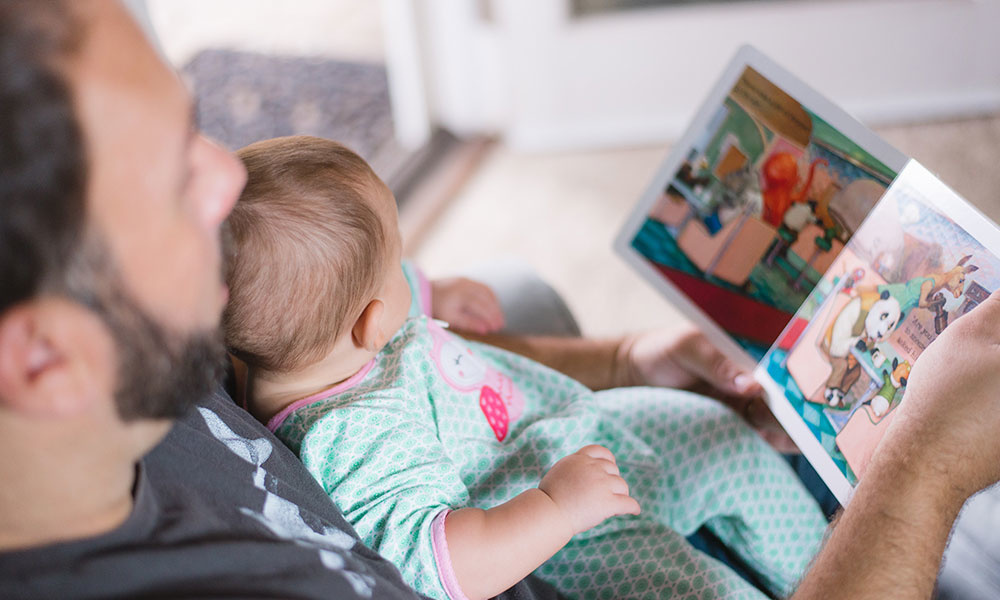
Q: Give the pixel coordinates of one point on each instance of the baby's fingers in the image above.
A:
(481, 319)
(484, 304)
(617, 485)
(630, 506)
(597, 451)
(623, 504)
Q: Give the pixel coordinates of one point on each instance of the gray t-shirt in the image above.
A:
(221, 510)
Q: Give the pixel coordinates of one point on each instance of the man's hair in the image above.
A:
(307, 251)
(42, 158)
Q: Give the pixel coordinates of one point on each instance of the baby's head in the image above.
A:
(314, 267)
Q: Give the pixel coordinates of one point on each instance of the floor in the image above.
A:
(557, 212)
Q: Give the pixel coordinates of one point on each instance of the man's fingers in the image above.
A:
(993, 300)
(780, 441)
(984, 317)
(759, 416)
(711, 365)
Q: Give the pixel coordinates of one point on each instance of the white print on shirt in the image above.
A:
(499, 399)
(282, 517)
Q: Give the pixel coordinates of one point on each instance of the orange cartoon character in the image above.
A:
(781, 178)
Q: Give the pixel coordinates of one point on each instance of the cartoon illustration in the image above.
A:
(927, 291)
(867, 319)
(844, 360)
(891, 383)
(760, 206)
(781, 178)
(872, 315)
(499, 399)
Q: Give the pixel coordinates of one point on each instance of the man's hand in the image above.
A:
(949, 417)
(681, 360)
(588, 488)
(690, 361)
(466, 305)
(941, 447)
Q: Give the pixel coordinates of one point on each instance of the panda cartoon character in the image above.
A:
(867, 319)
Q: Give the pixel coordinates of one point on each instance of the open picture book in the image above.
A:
(812, 252)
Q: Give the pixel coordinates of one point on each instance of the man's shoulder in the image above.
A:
(220, 509)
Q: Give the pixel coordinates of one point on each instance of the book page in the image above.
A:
(837, 373)
(755, 203)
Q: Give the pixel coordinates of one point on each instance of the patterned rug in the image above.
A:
(244, 97)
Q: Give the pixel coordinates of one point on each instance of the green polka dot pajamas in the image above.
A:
(435, 423)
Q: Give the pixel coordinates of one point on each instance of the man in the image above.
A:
(111, 204)
(111, 266)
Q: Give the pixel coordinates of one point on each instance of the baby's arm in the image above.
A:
(493, 549)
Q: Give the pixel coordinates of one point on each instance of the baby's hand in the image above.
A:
(588, 488)
(466, 304)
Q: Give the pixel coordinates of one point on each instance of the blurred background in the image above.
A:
(529, 128)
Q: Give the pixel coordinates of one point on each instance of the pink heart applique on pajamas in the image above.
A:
(495, 411)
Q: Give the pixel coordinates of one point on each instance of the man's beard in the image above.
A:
(161, 372)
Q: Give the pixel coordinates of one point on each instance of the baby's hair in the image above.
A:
(307, 251)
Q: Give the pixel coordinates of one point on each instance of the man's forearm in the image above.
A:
(598, 364)
(890, 539)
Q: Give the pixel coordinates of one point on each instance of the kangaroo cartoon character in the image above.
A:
(952, 280)
(923, 291)
(868, 318)
(499, 399)
(891, 382)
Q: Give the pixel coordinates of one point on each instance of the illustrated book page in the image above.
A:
(754, 203)
(838, 371)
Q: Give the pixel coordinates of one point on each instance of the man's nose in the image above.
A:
(225, 177)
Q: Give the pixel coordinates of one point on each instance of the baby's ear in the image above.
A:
(367, 331)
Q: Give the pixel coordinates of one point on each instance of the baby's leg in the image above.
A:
(628, 558)
(715, 470)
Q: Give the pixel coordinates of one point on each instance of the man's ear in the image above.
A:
(367, 330)
(54, 359)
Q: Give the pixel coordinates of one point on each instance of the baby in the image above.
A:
(468, 466)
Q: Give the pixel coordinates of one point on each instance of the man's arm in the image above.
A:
(666, 358)
(683, 359)
(596, 363)
(889, 541)
(941, 448)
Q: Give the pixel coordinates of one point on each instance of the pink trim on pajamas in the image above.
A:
(425, 291)
(443, 558)
(279, 418)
